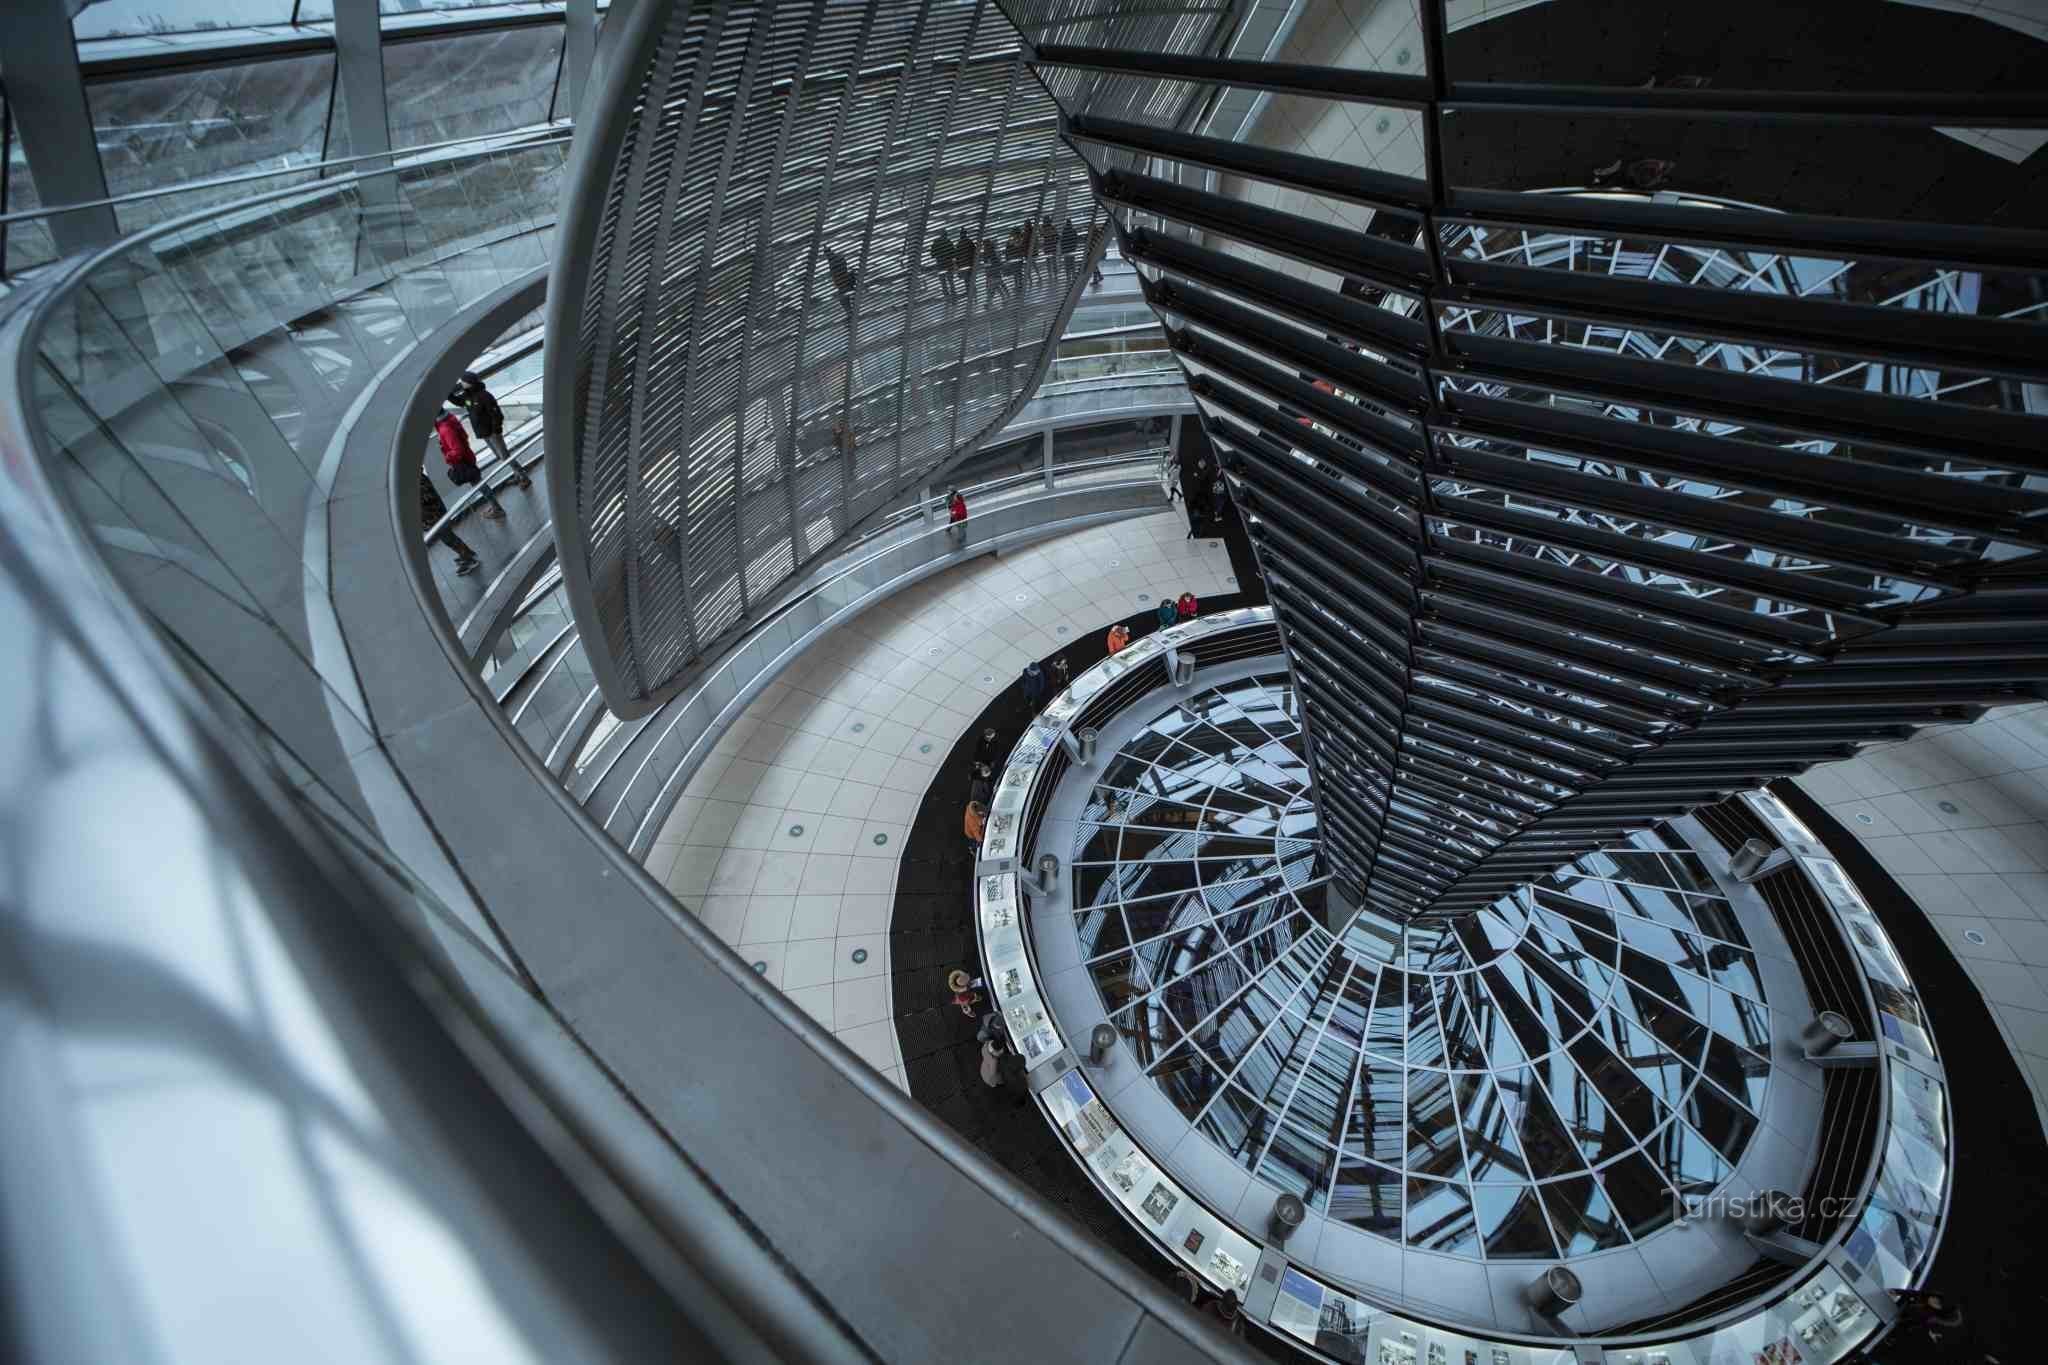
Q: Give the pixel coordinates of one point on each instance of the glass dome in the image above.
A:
(1553, 1076)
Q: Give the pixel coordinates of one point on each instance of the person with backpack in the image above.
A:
(487, 420)
(942, 260)
(461, 460)
(1166, 611)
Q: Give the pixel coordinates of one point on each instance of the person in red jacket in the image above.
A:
(461, 460)
(956, 517)
(1187, 607)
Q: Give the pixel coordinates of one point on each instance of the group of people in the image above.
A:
(1204, 493)
(1930, 1327)
(1029, 252)
(470, 398)
(1171, 610)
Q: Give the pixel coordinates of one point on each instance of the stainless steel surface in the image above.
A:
(764, 352)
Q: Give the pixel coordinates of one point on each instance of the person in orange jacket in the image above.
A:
(976, 824)
(1119, 636)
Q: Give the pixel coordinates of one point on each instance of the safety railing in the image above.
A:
(1827, 1305)
(176, 411)
(680, 735)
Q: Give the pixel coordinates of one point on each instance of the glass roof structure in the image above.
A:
(766, 352)
(1588, 484)
(181, 93)
(1547, 1077)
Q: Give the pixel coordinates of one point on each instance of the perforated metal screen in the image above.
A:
(1586, 490)
(758, 347)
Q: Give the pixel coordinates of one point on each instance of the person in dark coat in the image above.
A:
(432, 509)
(982, 788)
(985, 748)
(461, 460)
(1062, 673)
(1196, 493)
(942, 259)
(1070, 241)
(1219, 503)
(963, 261)
(1034, 685)
(487, 420)
(843, 279)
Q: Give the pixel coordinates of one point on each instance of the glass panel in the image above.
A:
(198, 124)
(440, 89)
(131, 18)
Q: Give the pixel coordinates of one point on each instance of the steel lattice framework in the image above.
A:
(1578, 508)
(721, 409)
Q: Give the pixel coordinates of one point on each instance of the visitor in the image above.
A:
(985, 748)
(1187, 608)
(1229, 1310)
(487, 420)
(963, 260)
(1048, 240)
(1119, 636)
(461, 460)
(993, 1030)
(989, 258)
(966, 991)
(942, 260)
(1070, 240)
(976, 825)
(982, 788)
(1034, 686)
(1095, 278)
(991, 1065)
(1165, 613)
(1014, 250)
(1062, 673)
(956, 517)
(1219, 503)
(842, 275)
(432, 510)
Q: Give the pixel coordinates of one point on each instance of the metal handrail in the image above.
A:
(398, 159)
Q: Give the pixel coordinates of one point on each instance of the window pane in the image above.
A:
(440, 89)
(193, 125)
(130, 18)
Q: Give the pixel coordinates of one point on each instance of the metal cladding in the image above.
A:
(1583, 506)
(752, 348)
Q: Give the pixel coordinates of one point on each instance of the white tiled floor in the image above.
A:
(1960, 817)
(786, 841)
